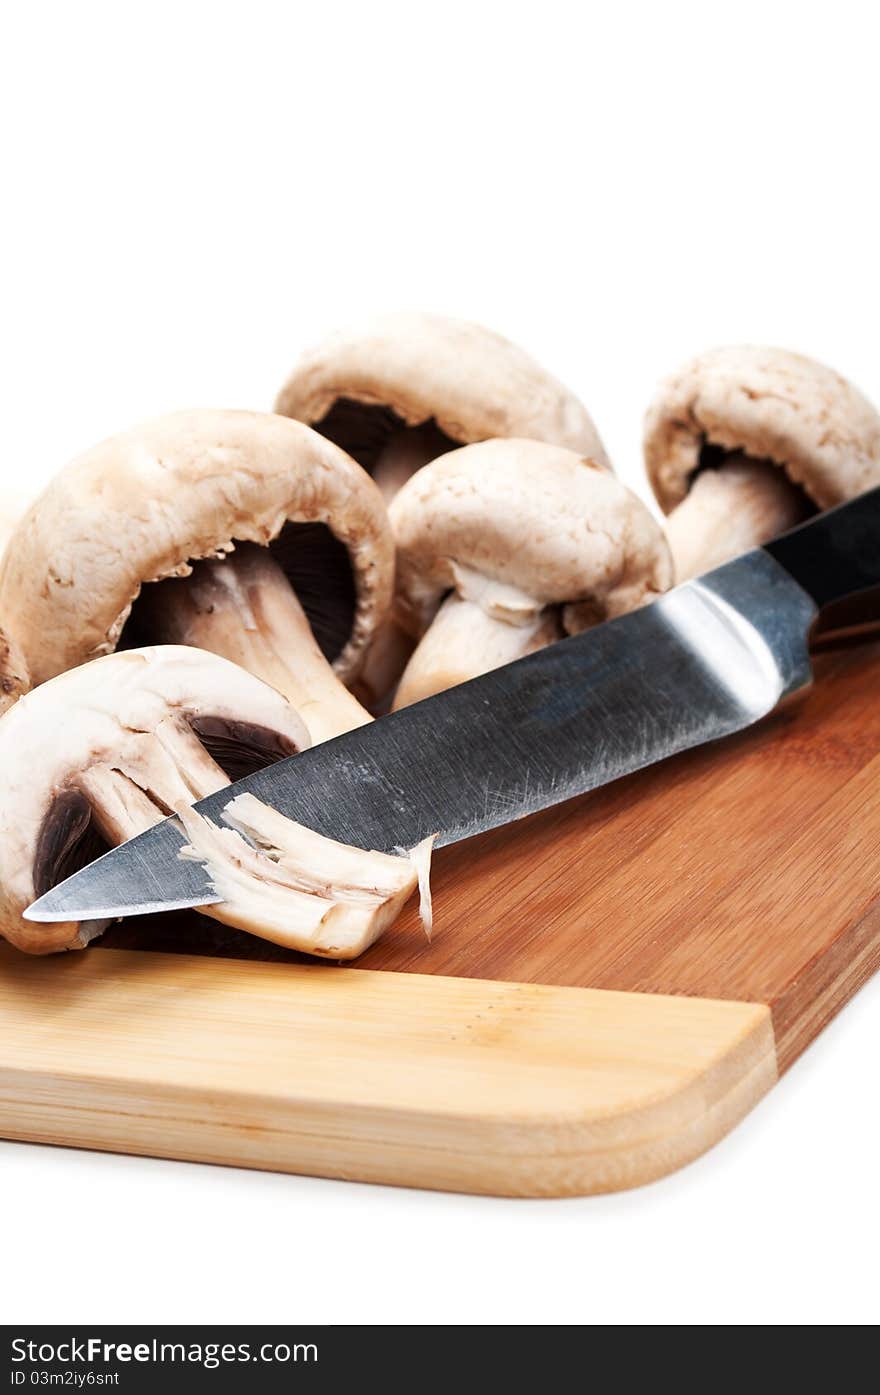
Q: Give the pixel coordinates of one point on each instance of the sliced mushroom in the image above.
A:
(744, 442)
(411, 386)
(277, 543)
(292, 886)
(106, 750)
(505, 546)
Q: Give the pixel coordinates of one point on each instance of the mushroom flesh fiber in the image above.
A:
(106, 750)
(744, 442)
(504, 547)
(238, 532)
(285, 883)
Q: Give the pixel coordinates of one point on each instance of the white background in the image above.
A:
(191, 193)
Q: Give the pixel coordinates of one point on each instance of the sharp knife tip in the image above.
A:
(46, 911)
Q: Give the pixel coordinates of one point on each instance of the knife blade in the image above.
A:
(702, 662)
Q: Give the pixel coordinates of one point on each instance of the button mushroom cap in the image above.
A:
(399, 392)
(13, 671)
(14, 678)
(145, 504)
(111, 748)
(454, 382)
(524, 541)
(742, 441)
(12, 505)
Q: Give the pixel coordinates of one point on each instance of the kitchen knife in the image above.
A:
(702, 662)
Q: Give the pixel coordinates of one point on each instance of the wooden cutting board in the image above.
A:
(611, 987)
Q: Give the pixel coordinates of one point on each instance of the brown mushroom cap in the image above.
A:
(772, 405)
(546, 526)
(416, 368)
(121, 740)
(143, 505)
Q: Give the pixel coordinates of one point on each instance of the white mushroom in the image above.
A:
(505, 546)
(13, 671)
(403, 390)
(744, 442)
(399, 392)
(104, 751)
(277, 545)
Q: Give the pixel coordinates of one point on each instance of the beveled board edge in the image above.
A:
(456, 1084)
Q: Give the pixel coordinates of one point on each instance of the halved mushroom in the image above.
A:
(106, 750)
(744, 442)
(409, 387)
(505, 546)
(277, 543)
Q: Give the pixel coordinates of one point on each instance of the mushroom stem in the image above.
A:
(119, 807)
(464, 641)
(730, 509)
(385, 661)
(165, 768)
(405, 452)
(243, 608)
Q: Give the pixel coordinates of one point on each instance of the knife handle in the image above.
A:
(837, 554)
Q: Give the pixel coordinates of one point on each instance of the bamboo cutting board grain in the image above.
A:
(611, 986)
